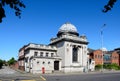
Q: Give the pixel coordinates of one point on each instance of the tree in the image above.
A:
(14, 4)
(11, 61)
(109, 5)
(1, 63)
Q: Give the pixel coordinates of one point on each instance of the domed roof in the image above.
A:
(67, 27)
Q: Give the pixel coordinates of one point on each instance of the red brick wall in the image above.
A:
(22, 68)
(15, 65)
(119, 59)
(115, 58)
(98, 57)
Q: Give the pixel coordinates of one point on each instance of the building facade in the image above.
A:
(96, 55)
(21, 61)
(66, 53)
(108, 57)
(115, 57)
(118, 51)
(41, 58)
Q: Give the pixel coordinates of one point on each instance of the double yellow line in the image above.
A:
(43, 79)
(7, 79)
(31, 80)
(27, 80)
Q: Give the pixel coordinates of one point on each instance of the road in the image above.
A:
(111, 76)
(7, 74)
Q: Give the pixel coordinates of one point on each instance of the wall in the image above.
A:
(98, 57)
(40, 63)
(115, 58)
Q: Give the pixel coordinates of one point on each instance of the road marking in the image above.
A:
(27, 80)
(42, 78)
(6, 79)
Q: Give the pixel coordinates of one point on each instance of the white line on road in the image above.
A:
(42, 78)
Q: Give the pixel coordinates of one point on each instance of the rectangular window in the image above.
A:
(35, 53)
(46, 54)
(95, 56)
(75, 54)
(41, 54)
(100, 56)
(52, 54)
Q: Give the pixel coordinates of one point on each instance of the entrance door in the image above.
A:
(56, 65)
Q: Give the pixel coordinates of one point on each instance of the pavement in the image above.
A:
(81, 73)
(73, 73)
(7, 70)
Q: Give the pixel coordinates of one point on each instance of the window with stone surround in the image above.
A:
(35, 53)
(46, 54)
(41, 54)
(52, 54)
(75, 54)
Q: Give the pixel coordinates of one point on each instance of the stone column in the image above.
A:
(71, 56)
(82, 55)
(79, 55)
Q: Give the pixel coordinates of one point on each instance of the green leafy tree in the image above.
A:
(11, 61)
(1, 63)
(109, 5)
(4, 62)
(14, 4)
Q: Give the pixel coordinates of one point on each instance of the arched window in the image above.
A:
(75, 54)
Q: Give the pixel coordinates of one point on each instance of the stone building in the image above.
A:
(66, 53)
(41, 58)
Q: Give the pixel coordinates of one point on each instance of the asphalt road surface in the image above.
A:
(7, 74)
(109, 76)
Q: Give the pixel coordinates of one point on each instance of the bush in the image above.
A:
(98, 67)
(113, 66)
(107, 66)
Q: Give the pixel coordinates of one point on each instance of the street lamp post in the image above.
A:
(102, 45)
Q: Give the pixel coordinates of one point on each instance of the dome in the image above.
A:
(68, 28)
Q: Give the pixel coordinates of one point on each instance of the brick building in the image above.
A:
(21, 58)
(96, 55)
(118, 51)
(115, 57)
(109, 57)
